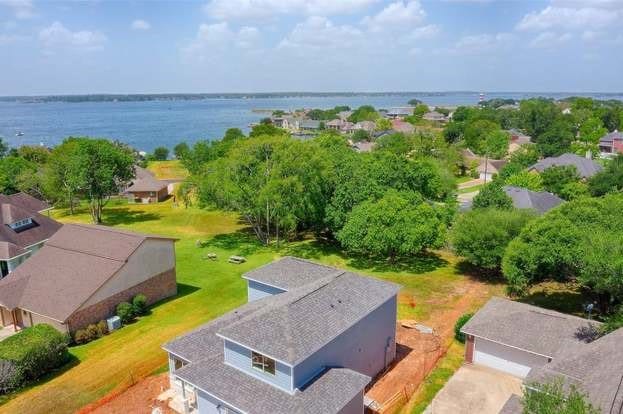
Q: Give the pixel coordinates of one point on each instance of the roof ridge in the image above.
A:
(108, 229)
(83, 252)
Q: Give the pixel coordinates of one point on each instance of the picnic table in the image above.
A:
(237, 259)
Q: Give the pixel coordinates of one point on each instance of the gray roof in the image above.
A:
(328, 393)
(612, 136)
(540, 201)
(9, 250)
(289, 273)
(524, 326)
(512, 406)
(309, 317)
(596, 368)
(309, 123)
(586, 168)
(400, 111)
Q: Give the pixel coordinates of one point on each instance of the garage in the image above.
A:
(506, 359)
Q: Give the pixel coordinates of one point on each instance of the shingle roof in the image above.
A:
(68, 269)
(28, 202)
(326, 394)
(491, 166)
(596, 368)
(308, 317)
(289, 273)
(9, 250)
(42, 228)
(526, 327)
(147, 183)
(585, 167)
(611, 137)
(540, 201)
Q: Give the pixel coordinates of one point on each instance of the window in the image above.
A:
(178, 363)
(263, 363)
(20, 223)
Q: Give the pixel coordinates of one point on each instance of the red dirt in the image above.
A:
(417, 353)
(141, 398)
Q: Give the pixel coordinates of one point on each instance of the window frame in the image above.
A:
(263, 363)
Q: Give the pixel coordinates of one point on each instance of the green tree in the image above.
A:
(453, 132)
(526, 179)
(420, 110)
(553, 398)
(4, 148)
(557, 177)
(383, 124)
(555, 140)
(398, 224)
(100, 168)
(35, 154)
(364, 113)
(11, 168)
(397, 143)
(414, 102)
(495, 144)
(361, 135)
(525, 156)
(181, 150)
(233, 134)
(481, 235)
(62, 178)
(161, 154)
(610, 180)
(602, 265)
(537, 115)
(492, 196)
(476, 132)
(590, 133)
(265, 129)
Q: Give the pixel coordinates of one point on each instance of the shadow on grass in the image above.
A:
(113, 217)
(558, 297)
(71, 362)
(491, 277)
(422, 263)
(242, 242)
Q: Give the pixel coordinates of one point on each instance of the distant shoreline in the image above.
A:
(264, 95)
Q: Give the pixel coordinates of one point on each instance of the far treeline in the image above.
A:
(399, 199)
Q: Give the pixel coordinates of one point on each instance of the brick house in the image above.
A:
(146, 188)
(82, 273)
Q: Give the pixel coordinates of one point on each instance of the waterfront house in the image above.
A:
(368, 126)
(399, 113)
(23, 229)
(403, 127)
(611, 144)
(309, 340)
(146, 188)
(82, 273)
(434, 116)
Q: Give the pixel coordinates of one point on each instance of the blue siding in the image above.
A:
(240, 357)
(258, 290)
(206, 404)
(362, 348)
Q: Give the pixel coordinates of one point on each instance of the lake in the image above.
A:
(149, 124)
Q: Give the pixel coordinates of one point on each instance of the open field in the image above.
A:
(168, 170)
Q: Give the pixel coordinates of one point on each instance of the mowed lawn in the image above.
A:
(207, 289)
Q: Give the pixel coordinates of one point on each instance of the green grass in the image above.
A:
(463, 179)
(470, 189)
(435, 381)
(208, 289)
(172, 169)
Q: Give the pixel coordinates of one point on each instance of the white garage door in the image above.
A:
(506, 359)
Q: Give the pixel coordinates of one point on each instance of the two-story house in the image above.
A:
(23, 229)
(309, 340)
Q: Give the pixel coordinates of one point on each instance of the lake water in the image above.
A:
(146, 125)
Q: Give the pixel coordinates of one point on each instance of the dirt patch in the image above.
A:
(141, 398)
(417, 353)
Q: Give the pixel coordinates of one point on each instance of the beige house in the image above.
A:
(82, 273)
(146, 188)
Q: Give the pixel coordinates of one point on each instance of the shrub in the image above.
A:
(102, 328)
(81, 337)
(125, 312)
(139, 304)
(92, 332)
(459, 325)
(31, 353)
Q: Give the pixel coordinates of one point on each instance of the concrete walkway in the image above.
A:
(475, 389)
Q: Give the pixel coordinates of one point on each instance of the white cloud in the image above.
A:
(263, 9)
(424, 32)
(320, 33)
(57, 35)
(396, 16)
(219, 37)
(550, 39)
(23, 9)
(594, 15)
(140, 24)
(6, 39)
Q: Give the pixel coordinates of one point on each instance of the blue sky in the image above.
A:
(49, 47)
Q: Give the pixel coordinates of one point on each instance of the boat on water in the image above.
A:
(19, 134)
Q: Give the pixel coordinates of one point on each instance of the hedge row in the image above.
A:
(29, 354)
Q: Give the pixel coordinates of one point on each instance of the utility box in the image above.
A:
(113, 323)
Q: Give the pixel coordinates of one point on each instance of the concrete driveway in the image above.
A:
(475, 389)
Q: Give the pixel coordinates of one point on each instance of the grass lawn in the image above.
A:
(168, 170)
(207, 289)
(471, 189)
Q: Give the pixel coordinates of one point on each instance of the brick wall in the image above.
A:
(469, 349)
(156, 288)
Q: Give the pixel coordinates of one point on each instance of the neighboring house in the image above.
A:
(541, 346)
(368, 126)
(308, 341)
(488, 168)
(586, 167)
(611, 144)
(23, 229)
(402, 126)
(539, 201)
(517, 139)
(82, 273)
(335, 124)
(363, 146)
(399, 113)
(347, 127)
(344, 115)
(309, 125)
(146, 188)
(434, 116)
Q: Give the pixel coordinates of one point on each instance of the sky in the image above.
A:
(78, 47)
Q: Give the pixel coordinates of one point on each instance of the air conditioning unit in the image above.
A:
(113, 323)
